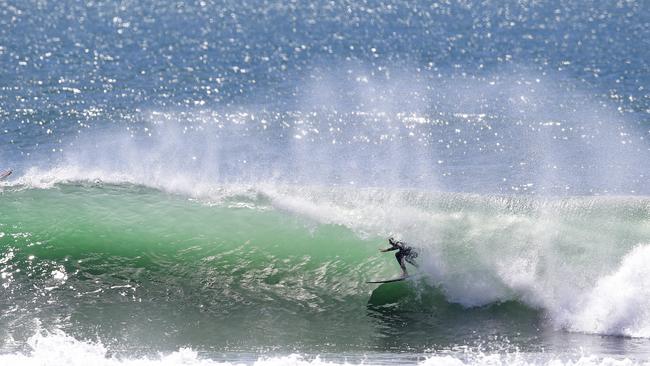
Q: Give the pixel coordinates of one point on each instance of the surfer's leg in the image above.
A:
(412, 261)
(410, 256)
(400, 259)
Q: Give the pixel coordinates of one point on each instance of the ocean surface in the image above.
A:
(208, 183)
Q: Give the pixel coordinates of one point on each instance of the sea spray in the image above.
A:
(617, 304)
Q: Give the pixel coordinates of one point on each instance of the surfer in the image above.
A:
(404, 253)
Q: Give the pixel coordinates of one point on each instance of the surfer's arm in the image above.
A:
(388, 249)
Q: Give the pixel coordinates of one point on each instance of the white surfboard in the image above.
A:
(391, 280)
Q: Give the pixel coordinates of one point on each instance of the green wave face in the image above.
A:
(150, 268)
(136, 268)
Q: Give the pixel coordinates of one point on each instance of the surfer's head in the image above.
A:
(391, 240)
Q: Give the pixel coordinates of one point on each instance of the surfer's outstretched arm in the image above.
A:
(388, 249)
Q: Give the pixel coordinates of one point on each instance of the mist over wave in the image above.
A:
(510, 132)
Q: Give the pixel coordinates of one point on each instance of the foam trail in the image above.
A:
(56, 349)
(61, 349)
(518, 360)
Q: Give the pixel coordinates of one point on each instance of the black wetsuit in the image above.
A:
(404, 252)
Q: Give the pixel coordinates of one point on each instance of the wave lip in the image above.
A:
(35, 178)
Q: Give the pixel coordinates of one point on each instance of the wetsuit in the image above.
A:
(404, 253)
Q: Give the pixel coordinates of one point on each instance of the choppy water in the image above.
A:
(209, 182)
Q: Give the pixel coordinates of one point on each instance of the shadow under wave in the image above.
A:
(418, 315)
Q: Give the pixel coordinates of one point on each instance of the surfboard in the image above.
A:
(5, 173)
(391, 280)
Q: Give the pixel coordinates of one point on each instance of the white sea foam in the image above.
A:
(519, 360)
(59, 349)
(620, 301)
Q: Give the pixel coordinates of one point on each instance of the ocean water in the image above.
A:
(208, 183)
